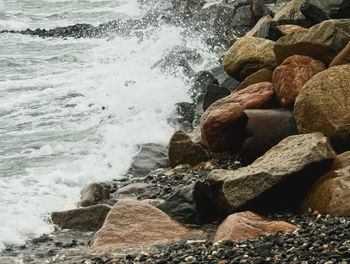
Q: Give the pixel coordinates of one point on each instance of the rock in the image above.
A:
(322, 41)
(133, 188)
(134, 224)
(198, 112)
(214, 93)
(196, 135)
(230, 83)
(269, 30)
(83, 219)
(254, 31)
(323, 105)
(244, 16)
(191, 205)
(223, 123)
(248, 55)
(245, 225)
(290, 11)
(263, 75)
(291, 75)
(258, 6)
(224, 21)
(272, 179)
(319, 11)
(93, 194)
(201, 82)
(330, 194)
(343, 57)
(184, 114)
(265, 129)
(151, 156)
(289, 29)
(183, 151)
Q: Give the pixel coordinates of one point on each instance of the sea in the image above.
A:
(74, 110)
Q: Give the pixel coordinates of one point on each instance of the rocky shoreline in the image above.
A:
(267, 132)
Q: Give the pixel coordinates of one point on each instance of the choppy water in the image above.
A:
(54, 136)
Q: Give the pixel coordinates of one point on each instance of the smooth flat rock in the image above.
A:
(288, 159)
(83, 219)
(245, 225)
(323, 105)
(135, 224)
(291, 75)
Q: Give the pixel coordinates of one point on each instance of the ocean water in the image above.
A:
(73, 110)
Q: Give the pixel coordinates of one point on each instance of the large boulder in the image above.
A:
(322, 41)
(291, 75)
(248, 55)
(245, 225)
(83, 219)
(135, 224)
(223, 123)
(263, 75)
(191, 205)
(323, 105)
(330, 194)
(265, 129)
(343, 57)
(277, 180)
(93, 194)
(183, 151)
(320, 10)
(290, 11)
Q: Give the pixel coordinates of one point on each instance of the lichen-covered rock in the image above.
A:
(183, 151)
(280, 170)
(323, 105)
(248, 55)
(323, 41)
(291, 75)
(245, 225)
(223, 123)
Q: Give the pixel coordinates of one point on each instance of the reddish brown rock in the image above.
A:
(323, 105)
(289, 29)
(135, 224)
(343, 57)
(183, 151)
(244, 225)
(291, 75)
(330, 194)
(263, 75)
(223, 123)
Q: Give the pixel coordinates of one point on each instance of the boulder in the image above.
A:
(269, 30)
(191, 205)
(258, 6)
(245, 225)
(265, 129)
(214, 93)
(291, 75)
(200, 84)
(290, 11)
(271, 181)
(150, 156)
(322, 41)
(323, 105)
(244, 17)
(330, 194)
(83, 219)
(343, 57)
(318, 10)
(224, 21)
(133, 188)
(135, 224)
(254, 31)
(223, 123)
(263, 75)
(248, 55)
(230, 83)
(183, 151)
(93, 194)
(184, 115)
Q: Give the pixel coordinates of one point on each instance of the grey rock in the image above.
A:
(295, 162)
(93, 194)
(214, 93)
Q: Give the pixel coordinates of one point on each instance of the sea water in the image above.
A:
(72, 111)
